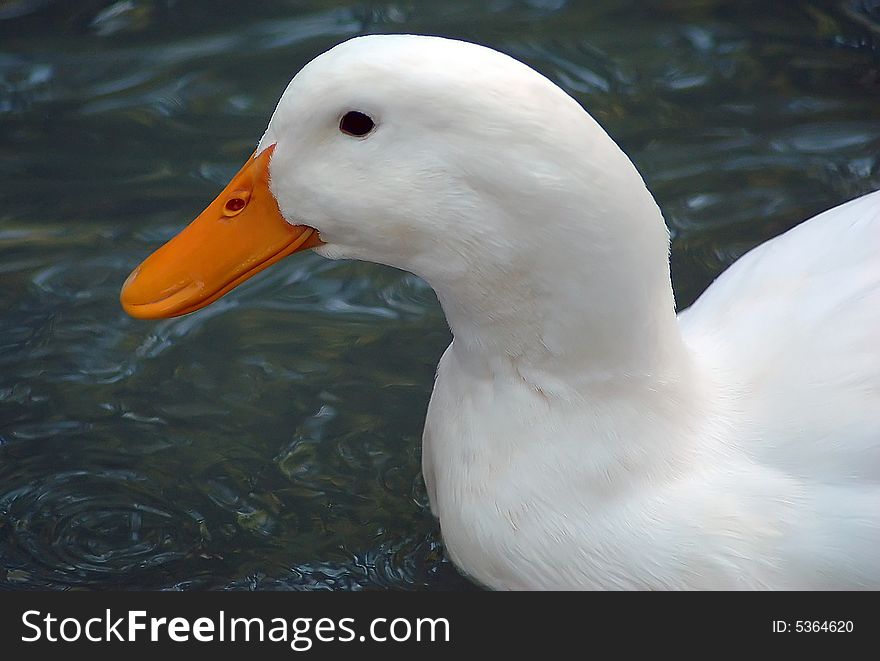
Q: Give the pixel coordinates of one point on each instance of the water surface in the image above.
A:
(271, 441)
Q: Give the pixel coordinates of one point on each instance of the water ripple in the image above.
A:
(83, 527)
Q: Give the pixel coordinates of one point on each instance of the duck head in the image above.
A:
(446, 159)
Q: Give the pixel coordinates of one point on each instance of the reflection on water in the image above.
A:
(272, 440)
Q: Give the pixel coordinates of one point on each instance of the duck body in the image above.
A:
(580, 435)
(753, 466)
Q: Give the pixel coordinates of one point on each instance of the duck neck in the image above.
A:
(590, 302)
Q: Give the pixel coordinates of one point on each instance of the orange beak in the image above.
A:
(237, 236)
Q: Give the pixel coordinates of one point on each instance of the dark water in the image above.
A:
(272, 440)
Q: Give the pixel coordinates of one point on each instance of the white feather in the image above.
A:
(580, 435)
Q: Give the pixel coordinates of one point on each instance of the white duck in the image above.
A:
(580, 434)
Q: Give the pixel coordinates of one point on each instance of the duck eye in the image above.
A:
(356, 123)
